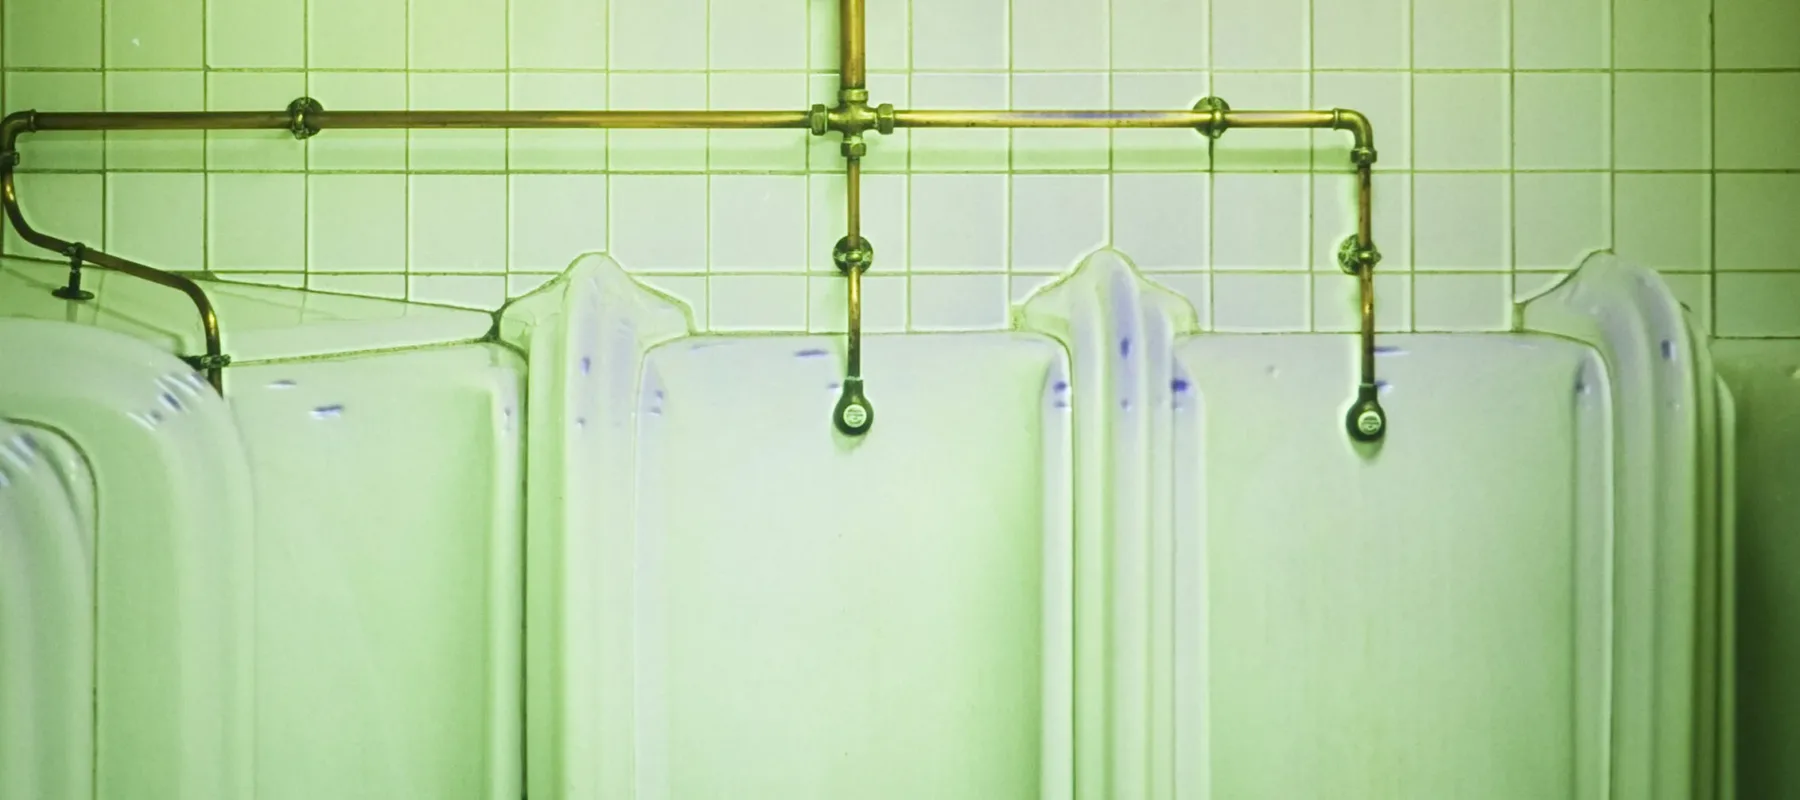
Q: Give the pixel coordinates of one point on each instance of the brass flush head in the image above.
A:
(1367, 422)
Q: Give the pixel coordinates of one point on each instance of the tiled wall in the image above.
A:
(1514, 137)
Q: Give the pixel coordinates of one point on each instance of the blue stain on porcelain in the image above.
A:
(656, 411)
(1125, 403)
(332, 411)
(810, 353)
(1383, 387)
(1125, 347)
(1389, 350)
(587, 364)
(1668, 350)
(170, 401)
(1062, 404)
(283, 384)
(581, 423)
(1061, 386)
(832, 387)
(1179, 386)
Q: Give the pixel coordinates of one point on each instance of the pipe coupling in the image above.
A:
(859, 258)
(819, 119)
(1217, 122)
(884, 118)
(302, 117)
(1354, 258)
(854, 146)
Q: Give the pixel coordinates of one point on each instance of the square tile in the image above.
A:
(1060, 149)
(155, 91)
(458, 34)
(69, 206)
(1263, 150)
(1662, 34)
(959, 303)
(257, 150)
(888, 37)
(956, 34)
(157, 218)
(67, 91)
(1757, 119)
(1562, 121)
(1470, 302)
(758, 34)
(1561, 34)
(758, 303)
(1337, 303)
(1756, 218)
(256, 223)
(458, 223)
(884, 304)
(1158, 149)
(1260, 222)
(1460, 121)
(154, 34)
(558, 150)
(555, 219)
(1059, 35)
(1361, 34)
(256, 34)
(1757, 34)
(1757, 303)
(1260, 34)
(958, 223)
(884, 222)
(557, 34)
(1461, 34)
(1159, 35)
(1664, 221)
(760, 151)
(1269, 303)
(1461, 222)
(356, 34)
(1646, 135)
(52, 34)
(1560, 217)
(659, 34)
(652, 150)
(759, 223)
(1385, 98)
(356, 223)
(1335, 220)
(479, 292)
(1057, 220)
(658, 221)
(358, 150)
(953, 150)
(462, 150)
(1160, 221)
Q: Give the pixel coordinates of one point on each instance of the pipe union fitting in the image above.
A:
(884, 118)
(855, 147)
(1362, 156)
(819, 119)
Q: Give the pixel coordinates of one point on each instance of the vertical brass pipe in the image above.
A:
(1365, 238)
(850, 45)
(853, 195)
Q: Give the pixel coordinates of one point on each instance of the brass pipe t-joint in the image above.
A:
(852, 117)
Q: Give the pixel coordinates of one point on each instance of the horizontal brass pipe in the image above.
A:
(387, 120)
(1209, 122)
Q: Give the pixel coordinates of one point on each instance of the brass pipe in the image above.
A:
(388, 120)
(1202, 117)
(852, 72)
(853, 197)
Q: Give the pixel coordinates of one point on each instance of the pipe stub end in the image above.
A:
(1367, 422)
(853, 415)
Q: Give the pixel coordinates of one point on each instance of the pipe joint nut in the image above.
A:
(302, 115)
(9, 159)
(884, 118)
(208, 363)
(1214, 127)
(860, 257)
(853, 97)
(1362, 156)
(1354, 258)
(854, 146)
(819, 119)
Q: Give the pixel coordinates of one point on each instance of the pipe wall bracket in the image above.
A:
(303, 117)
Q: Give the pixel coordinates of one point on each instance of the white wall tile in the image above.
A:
(658, 34)
(1461, 121)
(560, 150)
(1662, 34)
(759, 223)
(1263, 150)
(258, 150)
(1056, 220)
(1461, 34)
(759, 303)
(1337, 303)
(1461, 222)
(651, 150)
(1385, 98)
(1159, 149)
(256, 222)
(773, 150)
(356, 223)
(555, 219)
(757, 34)
(1059, 34)
(884, 221)
(356, 34)
(519, 284)
(1758, 34)
(155, 91)
(1646, 135)
(1260, 34)
(1694, 292)
(1196, 289)
(957, 150)
(54, 34)
(1758, 304)
(154, 34)
(69, 206)
(1260, 221)
(458, 223)
(1664, 221)
(1560, 217)
(1756, 220)
(958, 223)
(387, 286)
(1481, 302)
(959, 302)
(1159, 34)
(358, 150)
(888, 36)
(1334, 218)
(479, 292)
(1758, 118)
(1060, 149)
(1252, 303)
(950, 35)
(1562, 34)
(458, 34)
(268, 34)
(157, 218)
(1361, 34)
(1160, 221)
(456, 150)
(658, 222)
(1562, 121)
(883, 304)
(557, 34)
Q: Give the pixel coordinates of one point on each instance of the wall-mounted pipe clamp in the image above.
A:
(1353, 258)
(303, 118)
(860, 257)
(1215, 126)
(77, 255)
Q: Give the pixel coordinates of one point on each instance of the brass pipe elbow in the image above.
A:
(11, 128)
(1362, 150)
